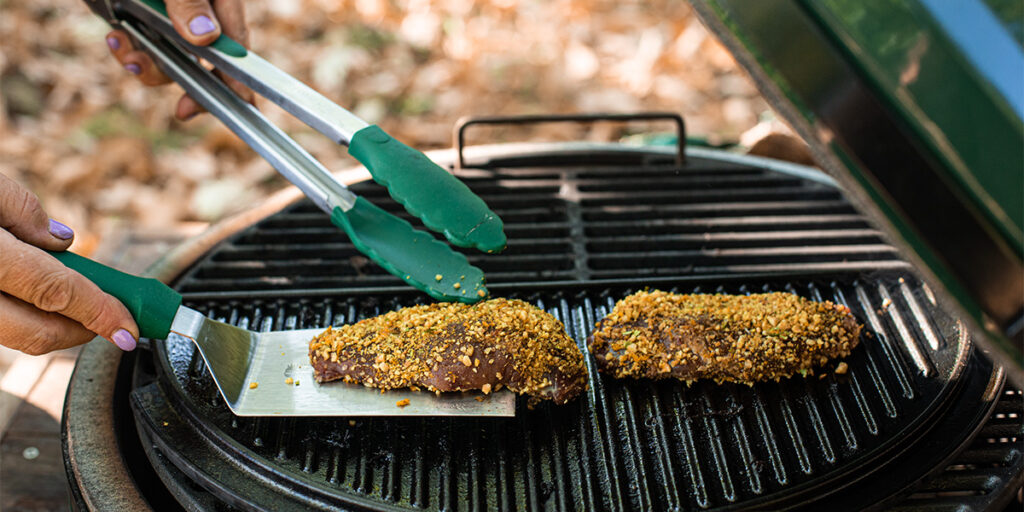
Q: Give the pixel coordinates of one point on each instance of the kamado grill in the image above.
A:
(920, 420)
(929, 261)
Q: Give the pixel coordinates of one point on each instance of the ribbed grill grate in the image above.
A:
(580, 239)
(990, 463)
(579, 224)
(633, 445)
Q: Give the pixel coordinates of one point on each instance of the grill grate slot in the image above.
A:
(579, 224)
(724, 444)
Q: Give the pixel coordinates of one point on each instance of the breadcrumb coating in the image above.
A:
(727, 338)
(455, 347)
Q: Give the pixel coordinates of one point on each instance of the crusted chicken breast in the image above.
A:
(456, 347)
(727, 338)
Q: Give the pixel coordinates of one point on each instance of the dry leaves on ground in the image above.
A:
(96, 145)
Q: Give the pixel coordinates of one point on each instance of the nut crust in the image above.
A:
(727, 338)
(455, 347)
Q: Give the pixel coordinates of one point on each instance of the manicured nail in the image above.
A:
(114, 43)
(201, 25)
(60, 230)
(124, 340)
(133, 68)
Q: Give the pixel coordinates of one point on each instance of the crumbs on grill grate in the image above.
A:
(734, 338)
(456, 347)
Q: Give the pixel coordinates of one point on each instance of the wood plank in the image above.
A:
(48, 394)
(36, 484)
(17, 384)
(31, 463)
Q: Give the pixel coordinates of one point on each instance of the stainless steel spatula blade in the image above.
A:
(252, 369)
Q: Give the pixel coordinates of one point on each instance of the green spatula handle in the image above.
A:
(152, 303)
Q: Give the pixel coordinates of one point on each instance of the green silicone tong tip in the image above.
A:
(418, 258)
(440, 200)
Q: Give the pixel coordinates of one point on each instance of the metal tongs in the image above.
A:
(427, 191)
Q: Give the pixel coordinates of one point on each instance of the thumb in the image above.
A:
(23, 216)
(194, 20)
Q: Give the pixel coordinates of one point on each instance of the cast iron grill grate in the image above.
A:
(636, 445)
(990, 463)
(913, 393)
(583, 223)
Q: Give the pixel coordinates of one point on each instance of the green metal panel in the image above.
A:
(920, 116)
(961, 117)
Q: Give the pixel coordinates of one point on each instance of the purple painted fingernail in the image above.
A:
(133, 68)
(201, 25)
(124, 340)
(60, 230)
(114, 43)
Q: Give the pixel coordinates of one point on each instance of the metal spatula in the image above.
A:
(440, 200)
(252, 369)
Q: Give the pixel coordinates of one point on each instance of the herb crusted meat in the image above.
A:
(727, 338)
(455, 347)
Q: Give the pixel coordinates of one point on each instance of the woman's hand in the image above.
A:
(45, 306)
(200, 23)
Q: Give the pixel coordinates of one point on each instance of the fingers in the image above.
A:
(200, 23)
(36, 332)
(242, 91)
(35, 277)
(194, 20)
(22, 216)
(231, 14)
(135, 61)
(187, 108)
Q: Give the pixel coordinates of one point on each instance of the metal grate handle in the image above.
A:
(464, 123)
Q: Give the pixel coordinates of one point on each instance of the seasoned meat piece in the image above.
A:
(734, 338)
(456, 347)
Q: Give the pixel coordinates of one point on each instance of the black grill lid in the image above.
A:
(914, 393)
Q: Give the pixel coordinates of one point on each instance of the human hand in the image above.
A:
(45, 306)
(198, 23)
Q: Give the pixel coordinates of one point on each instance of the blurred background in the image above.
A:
(106, 156)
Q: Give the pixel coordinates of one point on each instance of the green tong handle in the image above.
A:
(440, 200)
(152, 303)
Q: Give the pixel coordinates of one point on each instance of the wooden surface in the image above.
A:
(31, 464)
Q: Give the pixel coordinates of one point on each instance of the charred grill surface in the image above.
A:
(726, 338)
(456, 347)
